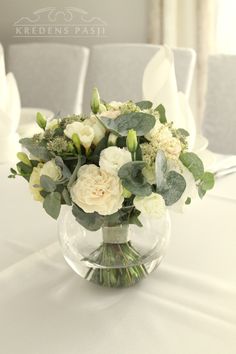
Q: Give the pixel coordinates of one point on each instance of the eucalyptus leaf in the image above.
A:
(66, 196)
(161, 110)
(24, 169)
(207, 181)
(91, 221)
(133, 179)
(47, 183)
(201, 191)
(52, 204)
(141, 122)
(160, 168)
(174, 188)
(144, 104)
(74, 174)
(193, 163)
(39, 150)
(183, 132)
(65, 170)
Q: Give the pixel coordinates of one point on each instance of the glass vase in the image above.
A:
(114, 256)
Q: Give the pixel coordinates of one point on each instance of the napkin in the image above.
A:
(159, 86)
(10, 109)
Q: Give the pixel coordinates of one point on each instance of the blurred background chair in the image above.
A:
(219, 121)
(50, 75)
(117, 70)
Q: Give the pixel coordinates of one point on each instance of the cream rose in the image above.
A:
(84, 132)
(97, 191)
(172, 148)
(112, 158)
(98, 128)
(152, 205)
(34, 183)
(51, 170)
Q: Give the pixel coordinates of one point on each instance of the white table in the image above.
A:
(187, 306)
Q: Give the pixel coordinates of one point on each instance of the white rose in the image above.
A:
(110, 114)
(34, 183)
(84, 132)
(112, 158)
(52, 124)
(98, 128)
(97, 191)
(172, 148)
(51, 170)
(152, 205)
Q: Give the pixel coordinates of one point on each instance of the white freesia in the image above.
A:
(98, 128)
(52, 124)
(97, 191)
(152, 205)
(51, 170)
(84, 132)
(34, 183)
(110, 114)
(112, 158)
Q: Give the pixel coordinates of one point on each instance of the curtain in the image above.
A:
(186, 23)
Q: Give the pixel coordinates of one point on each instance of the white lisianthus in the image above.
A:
(52, 124)
(84, 132)
(34, 183)
(98, 128)
(97, 191)
(112, 158)
(51, 170)
(152, 205)
(110, 114)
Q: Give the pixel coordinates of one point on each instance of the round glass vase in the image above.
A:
(114, 256)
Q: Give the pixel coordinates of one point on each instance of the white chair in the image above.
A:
(50, 75)
(117, 70)
(219, 121)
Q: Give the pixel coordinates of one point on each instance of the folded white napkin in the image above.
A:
(10, 109)
(160, 87)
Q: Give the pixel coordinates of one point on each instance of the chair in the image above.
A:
(117, 70)
(50, 75)
(219, 120)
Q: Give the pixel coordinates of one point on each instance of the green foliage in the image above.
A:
(182, 132)
(47, 184)
(38, 149)
(206, 183)
(142, 123)
(144, 104)
(160, 168)
(188, 201)
(52, 204)
(91, 221)
(66, 196)
(74, 174)
(161, 110)
(64, 169)
(193, 163)
(133, 179)
(173, 187)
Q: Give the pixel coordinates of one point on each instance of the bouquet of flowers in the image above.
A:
(121, 160)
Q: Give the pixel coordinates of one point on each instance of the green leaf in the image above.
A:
(52, 204)
(91, 221)
(207, 181)
(188, 201)
(141, 122)
(65, 170)
(74, 174)
(183, 132)
(160, 168)
(47, 183)
(174, 188)
(133, 179)
(161, 110)
(66, 196)
(193, 163)
(24, 169)
(13, 171)
(39, 150)
(144, 104)
(201, 191)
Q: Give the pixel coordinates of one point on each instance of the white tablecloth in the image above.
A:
(187, 306)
